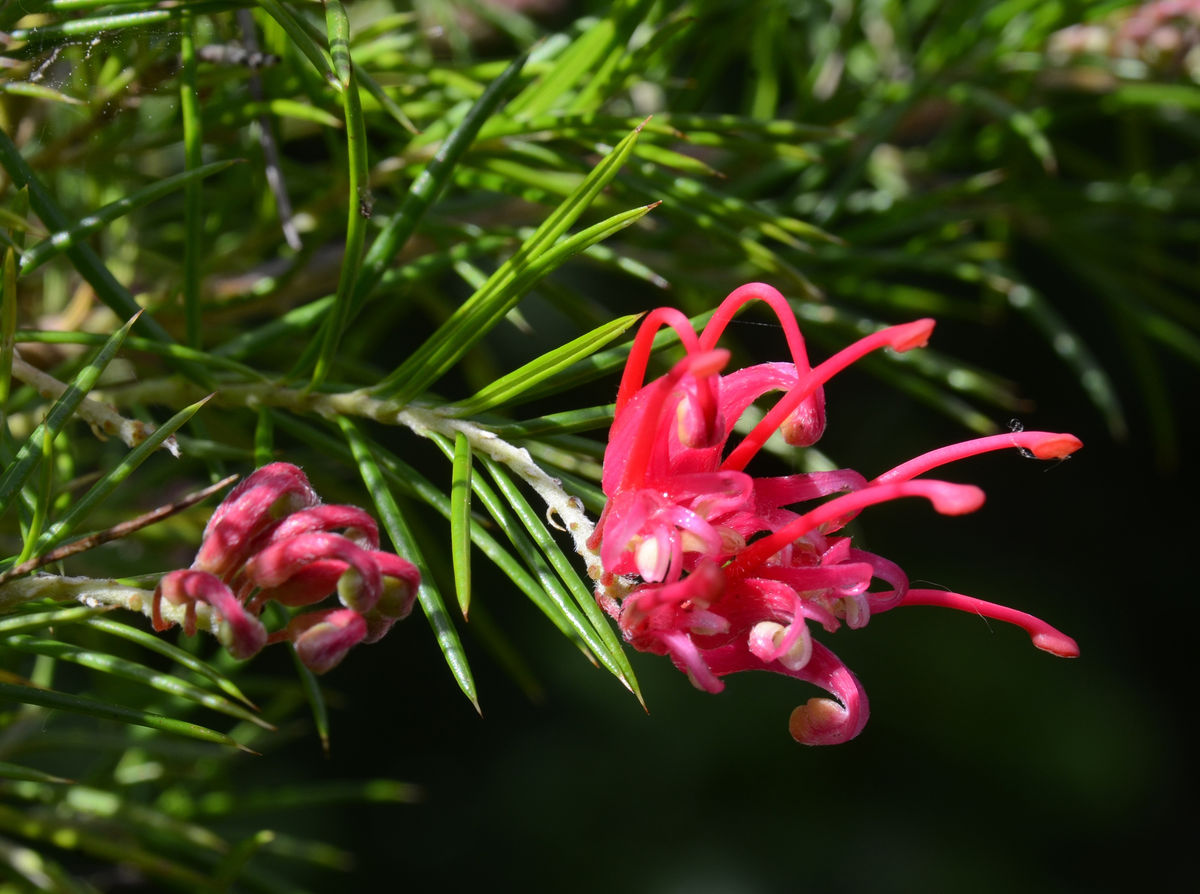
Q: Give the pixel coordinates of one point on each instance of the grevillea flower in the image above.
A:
(272, 539)
(724, 572)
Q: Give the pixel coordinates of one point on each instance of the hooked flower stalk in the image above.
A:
(723, 571)
(273, 539)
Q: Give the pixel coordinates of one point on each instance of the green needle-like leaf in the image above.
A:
(8, 322)
(316, 699)
(74, 28)
(193, 149)
(300, 38)
(430, 183)
(56, 617)
(407, 479)
(487, 307)
(611, 653)
(62, 701)
(402, 539)
(162, 647)
(130, 670)
(107, 484)
(32, 450)
(16, 771)
(57, 243)
(475, 317)
(595, 52)
(546, 592)
(460, 521)
(510, 387)
(338, 26)
(85, 259)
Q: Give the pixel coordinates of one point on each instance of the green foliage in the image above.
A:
(375, 300)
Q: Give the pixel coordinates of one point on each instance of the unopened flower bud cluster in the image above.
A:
(272, 539)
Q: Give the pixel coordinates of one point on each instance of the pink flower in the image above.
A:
(723, 571)
(272, 539)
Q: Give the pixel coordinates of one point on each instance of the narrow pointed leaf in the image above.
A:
(78, 704)
(38, 91)
(161, 349)
(167, 650)
(31, 451)
(429, 184)
(131, 670)
(193, 148)
(547, 592)
(8, 322)
(510, 387)
(315, 698)
(402, 539)
(300, 38)
(408, 480)
(84, 257)
(488, 306)
(106, 485)
(56, 31)
(587, 55)
(338, 26)
(611, 653)
(589, 419)
(460, 521)
(481, 311)
(28, 774)
(37, 620)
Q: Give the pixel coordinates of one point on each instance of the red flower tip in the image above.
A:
(1055, 446)
(907, 336)
(819, 721)
(1045, 637)
(1056, 643)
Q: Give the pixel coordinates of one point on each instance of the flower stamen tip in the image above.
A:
(957, 499)
(1056, 643)
(819, 721)
(1056, 446)
(911, 335)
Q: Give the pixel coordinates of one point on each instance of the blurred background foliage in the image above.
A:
(1023, 171)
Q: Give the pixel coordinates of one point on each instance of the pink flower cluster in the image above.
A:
(273, 539)
(722, 571)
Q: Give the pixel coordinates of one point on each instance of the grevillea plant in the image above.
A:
(358, 239)
(724, 571)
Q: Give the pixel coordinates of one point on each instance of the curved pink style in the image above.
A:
(239, 631)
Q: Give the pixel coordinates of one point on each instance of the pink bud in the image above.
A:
(322, 639)
(270, 493)
(359, 585)
(356, 526)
